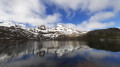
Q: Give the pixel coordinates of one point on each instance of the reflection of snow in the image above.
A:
(3, 58)
(55, 47)
(61, 48)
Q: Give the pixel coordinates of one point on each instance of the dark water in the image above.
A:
(60, 54)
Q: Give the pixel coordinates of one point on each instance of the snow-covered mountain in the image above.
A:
(7, 24)
(41, 31)
(56, 31)
(10, 24)
(10, 30)
(64, 30)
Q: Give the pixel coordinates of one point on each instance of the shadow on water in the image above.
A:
(112, 45)
(6, 44)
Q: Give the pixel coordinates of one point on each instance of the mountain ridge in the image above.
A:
(42, 32)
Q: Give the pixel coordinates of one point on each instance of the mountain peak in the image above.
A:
(7, 24)
(42, 30)
(59, 25)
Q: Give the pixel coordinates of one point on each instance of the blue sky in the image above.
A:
(74, 17)
(76, 14)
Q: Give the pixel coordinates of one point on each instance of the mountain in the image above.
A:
(64, 30)
(103, 39)
(103, 34)
(12, 24)
(14, 31)
(11, 30)
(58, 31)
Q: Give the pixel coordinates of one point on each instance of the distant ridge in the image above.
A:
(10, 30)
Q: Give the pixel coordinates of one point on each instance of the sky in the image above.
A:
(82, 15)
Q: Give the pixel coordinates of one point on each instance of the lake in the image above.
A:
(60, 54)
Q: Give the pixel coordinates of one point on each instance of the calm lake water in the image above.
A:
(60, 54)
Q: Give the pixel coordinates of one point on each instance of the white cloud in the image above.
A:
(90, 5)
(96, 7)
(102, 16)
(34, 12)
(26, 11)
(94, 22)
(115, 4)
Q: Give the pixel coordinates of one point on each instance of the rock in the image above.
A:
(42, 27)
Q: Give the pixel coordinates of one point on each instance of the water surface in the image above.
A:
(59, 54)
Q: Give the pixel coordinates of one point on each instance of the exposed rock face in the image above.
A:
(15, 33)
(42, 27)
(35, 33)
(10, 30)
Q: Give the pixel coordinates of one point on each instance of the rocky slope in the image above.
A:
(11, 30)
(103, 34)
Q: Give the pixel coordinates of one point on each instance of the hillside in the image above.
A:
(104, 34)
(15, 33)
(10, 30)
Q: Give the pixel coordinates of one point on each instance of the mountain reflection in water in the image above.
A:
(56, 54)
